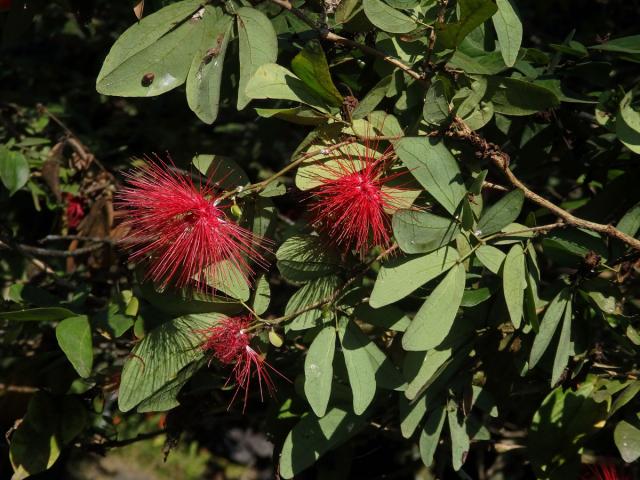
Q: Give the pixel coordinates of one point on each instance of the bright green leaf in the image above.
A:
(310, 65)
(14, 169)
(627, 439)
(491, 257)
(74, 338)
(435, 168)
(472, 14)
(387, 18)
(509, 29)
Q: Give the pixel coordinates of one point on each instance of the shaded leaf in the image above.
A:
(509, 29)
(430, 434)
(548, 326)
(74, 338)
(318, 370)
(514, 282)
(387, 18)
(422, 232)
(501, 213)
(472, 14)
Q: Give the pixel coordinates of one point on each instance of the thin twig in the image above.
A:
(337, 294)
(538, 229)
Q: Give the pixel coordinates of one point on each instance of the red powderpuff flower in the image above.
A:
(75, 210)
(229, 343)
(605, 471)
(349, 203)
(182, 229)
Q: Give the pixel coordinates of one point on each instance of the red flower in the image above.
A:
(349, 203)
(229, 342)
(182, 230)
(74, 211)
(605, 471)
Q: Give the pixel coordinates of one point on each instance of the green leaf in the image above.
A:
(514, 282)
(460, 441)
(431, 364)
(230, 280)
(418, 231)
(430, 434)
(400, 276)
(389, 317)
(74, 338)
(44, 314)
(628, 124)
(372, 98)
(436, 105)
(509, 29)
(560, 426)
(630, 222)
(303, 257)
(312, 437)
(311, 293)
(318, 370)
(360, 369)
(511, 96)
(160, 356)
(273, 81)
(14, 169)
(491, 257)
(167, 397)
(258, 45)
(387, 18)
(548, 326)
(565, 347)
(387, 375)
(155, 54)
(501, 213)
(297, 115)
(262, 295)
(627, 439)
(435, 168)
(630, 44)
(433, 322)
(310, 65)
(205, 74)
(472, 14)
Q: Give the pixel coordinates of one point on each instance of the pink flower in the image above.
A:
(605, 471)
(229, 343)
(349, 204)
(182, 231)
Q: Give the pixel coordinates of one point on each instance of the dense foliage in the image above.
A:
(397, 238)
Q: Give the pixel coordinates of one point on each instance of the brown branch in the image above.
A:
(501, 159)
(340, 40)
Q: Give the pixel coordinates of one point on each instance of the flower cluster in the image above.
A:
(229, 342)
(349, 205)
(183, 231)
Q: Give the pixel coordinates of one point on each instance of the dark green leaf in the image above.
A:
(160, 356)
(303, 257)
(311, 293)
(372, 98)
(501, 213)
(422, 232)
(45, 314)
(74, 338)
(310, 65)
(312, 437)
(511, 96)
(565, 347)
(630, 44)
(628, 124)
(431, 434)
(549, 325)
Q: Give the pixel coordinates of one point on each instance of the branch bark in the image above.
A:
(501, 160)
